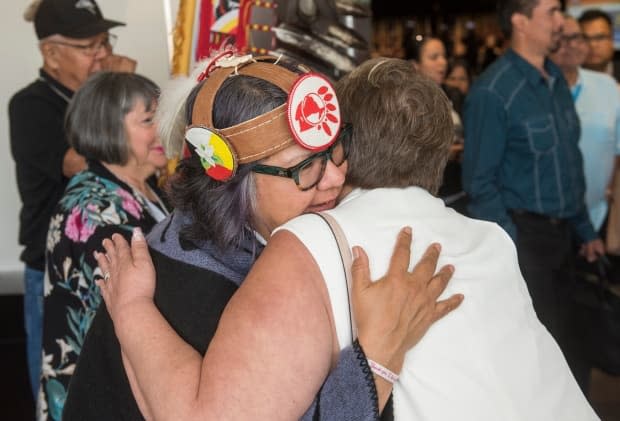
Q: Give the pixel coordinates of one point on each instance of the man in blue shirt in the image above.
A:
(599, 114)
(522, 166)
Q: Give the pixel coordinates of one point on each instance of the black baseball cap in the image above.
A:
(71, 18)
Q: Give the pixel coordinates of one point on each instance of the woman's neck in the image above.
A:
(134, 177)
(531, 55)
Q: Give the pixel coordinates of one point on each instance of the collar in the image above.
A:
(531, 73)
(100, 170)
(59, 89)
(609, 69)
(576, 89)
(168, 238)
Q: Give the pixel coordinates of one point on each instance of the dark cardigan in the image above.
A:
(192, 299)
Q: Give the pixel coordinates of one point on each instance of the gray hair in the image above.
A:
(402, 126)
(95, 120)
(223, 212)
(31, 10)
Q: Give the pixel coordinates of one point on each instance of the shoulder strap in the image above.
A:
(347, 261)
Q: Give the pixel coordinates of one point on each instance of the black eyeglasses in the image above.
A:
(597, 37)
(309, 172)
(93, 48)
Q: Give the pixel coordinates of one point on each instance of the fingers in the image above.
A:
(438, 283)
(102, 289)
(103, 283)
(427, 265)
(444, 307)
(360, 269)
(139, 247)
(402, 252)
(102, 262)
(122, 252)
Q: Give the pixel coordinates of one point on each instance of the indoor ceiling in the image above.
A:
(384, 8)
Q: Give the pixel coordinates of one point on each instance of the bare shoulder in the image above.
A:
(275, 323)
(284, 279)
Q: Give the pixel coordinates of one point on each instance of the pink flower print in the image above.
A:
(78, 228)
(74, 223)
(130, 204)
(87, 230)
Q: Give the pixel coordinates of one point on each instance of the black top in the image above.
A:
(191, 298)
(191, 293)
(616, 68)
(95, 205)
(456, 97)
(38, 146)
(451, 189)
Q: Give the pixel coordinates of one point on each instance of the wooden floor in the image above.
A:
(17, 404)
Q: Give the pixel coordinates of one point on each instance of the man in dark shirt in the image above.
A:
(522, 167)
(74, 43)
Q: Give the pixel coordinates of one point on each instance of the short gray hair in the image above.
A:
(95, 120)
(223, 212)
(402, 126)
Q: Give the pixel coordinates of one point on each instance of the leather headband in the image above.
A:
(261, 136)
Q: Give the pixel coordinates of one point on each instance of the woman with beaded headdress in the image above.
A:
(262, 145)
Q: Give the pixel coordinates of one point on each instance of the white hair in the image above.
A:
(31, 10)
(171, 110)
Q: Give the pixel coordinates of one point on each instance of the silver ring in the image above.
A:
(106, 276)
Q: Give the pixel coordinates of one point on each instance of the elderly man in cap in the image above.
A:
(75, 43)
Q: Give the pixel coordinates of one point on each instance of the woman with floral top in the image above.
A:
(109, 122)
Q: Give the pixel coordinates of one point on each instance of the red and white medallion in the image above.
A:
(314, 112)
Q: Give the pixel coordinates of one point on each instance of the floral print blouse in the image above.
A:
(95, 205)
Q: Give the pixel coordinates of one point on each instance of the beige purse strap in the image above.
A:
(347, 261)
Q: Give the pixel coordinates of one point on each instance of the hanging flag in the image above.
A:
(204, 26)
(182, 38)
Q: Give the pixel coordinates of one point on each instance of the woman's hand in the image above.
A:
(393, 313)
(129, 275)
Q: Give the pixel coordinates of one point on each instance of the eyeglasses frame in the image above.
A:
(578, 38)
(293, 172)
(597, 38)
(109, 42)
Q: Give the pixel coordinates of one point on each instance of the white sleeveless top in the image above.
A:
(490, 359)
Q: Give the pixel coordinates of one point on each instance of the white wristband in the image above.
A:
(382, 372)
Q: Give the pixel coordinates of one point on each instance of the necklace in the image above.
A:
(157, 210)
(55, 89)
(155, 206)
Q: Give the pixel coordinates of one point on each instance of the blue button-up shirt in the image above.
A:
(598, 107)
(521, 146)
